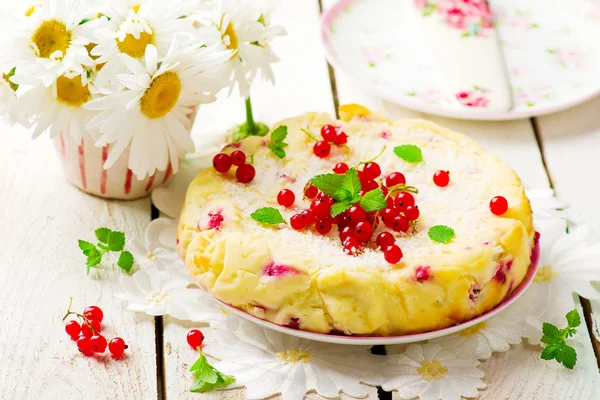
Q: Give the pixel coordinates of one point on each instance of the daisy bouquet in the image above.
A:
(123, 78)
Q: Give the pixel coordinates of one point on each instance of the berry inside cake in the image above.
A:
(358, 226)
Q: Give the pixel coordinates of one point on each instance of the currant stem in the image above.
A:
(309, 134)
(81, 316)
(374, 158)
(249, 116)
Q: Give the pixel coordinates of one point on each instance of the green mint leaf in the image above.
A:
(125, 261)
(278, 149)
(206, 377)
(409, 152)
(330, 184)
(441, 234)
(551, 332)
(339, 208)
(268, 215)
(341, 195)
(573, 319)
(279, 134)
(549, 353)
(567, 356)
(351, 182)
(93, 260)
(116, 241)
(87, 248)
(373, 200)
(103, 235)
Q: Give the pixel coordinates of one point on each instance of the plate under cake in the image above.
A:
(305, 280)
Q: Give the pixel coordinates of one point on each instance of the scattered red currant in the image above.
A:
(388, 214)
(441, 178)
(83, 344)
(98, 343)
(394, 179)
(328, 133)
(73, 329)
(384, 239)
(403, 200)
(222, 163)
(94, 313)
(322, 149)
(245, 173)
(117, 347)
(351, 245)
(363, 231)
(412, 213)
(400, 224)
(372, 170)
(310, 191)
(195, 338)
(321, 207)
(357, 214)
(498, 205)
(369, 185)
(90, 327)
(340, 138)
(286, 198)
(297, 222)
(308, 217)
(238, 158)
(345, 233)
(323, 226)
(393, 254)
(341, 168)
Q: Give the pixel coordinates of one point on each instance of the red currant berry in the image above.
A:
(86, 328)
(412, 213)
(393, 254)
(321, 208)
(441, 178)
(98, 343)
(403, 200)
(238, 158)
(388, 214)
(83, 344)
(308, 217)
(498, 205)
(394, 179)
(363, 231)
(351, 245)
(73, 329)
(322, 149)
(297, 222)
(372, 170)
(345, 233)
(400, 224)
(94, 313)
(384, 239)
(328, 132)
(245, 173)
(286, 198)
(117, 347)
(384, 189)
(340, 138)
(310, 192)
(357, 214)
(222, 163)
(341, 168)
(324, 226)
(195, 338)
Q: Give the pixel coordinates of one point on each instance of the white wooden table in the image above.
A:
(42, 216)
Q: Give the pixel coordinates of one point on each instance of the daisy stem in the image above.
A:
(249, 116)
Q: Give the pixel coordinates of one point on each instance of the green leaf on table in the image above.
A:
(373, 200)
(409, 152)
(116, 241)
(268, 215)
(103, 235)
(555, 338)
(206, 377)
(125, 261)
(567, 356)
(573, 319)
(441, 234)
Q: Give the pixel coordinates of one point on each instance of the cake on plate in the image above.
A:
(357, 226)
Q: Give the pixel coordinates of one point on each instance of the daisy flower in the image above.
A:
(269, 362)
(49, 40)
(157, 292)
(158, 250)
(150, 114)
(59, 107)
(545, 205)
(432, 373)
(129, 26)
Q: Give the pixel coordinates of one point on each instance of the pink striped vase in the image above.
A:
(83, 163)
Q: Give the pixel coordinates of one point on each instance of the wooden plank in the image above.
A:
(42, 216)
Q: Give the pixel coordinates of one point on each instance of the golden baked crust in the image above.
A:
(316, 286)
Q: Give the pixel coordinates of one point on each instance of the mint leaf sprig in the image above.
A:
(277, 143)
(268, 215)
(555, 339)
(206, 377)
(108, 241)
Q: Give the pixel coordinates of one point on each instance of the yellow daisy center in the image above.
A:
(229, 37)
(51, 36)
(133, 47)
(431, 370)
(161, 96)
(72, 91)
(293, 356)
(474, 330)
(545, 274)
(30, 11)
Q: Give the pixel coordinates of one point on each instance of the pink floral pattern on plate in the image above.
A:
(472, 17)
(473, 98)
(568, 58)
(376, 54)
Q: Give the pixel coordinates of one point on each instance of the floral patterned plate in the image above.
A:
(550, 49)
